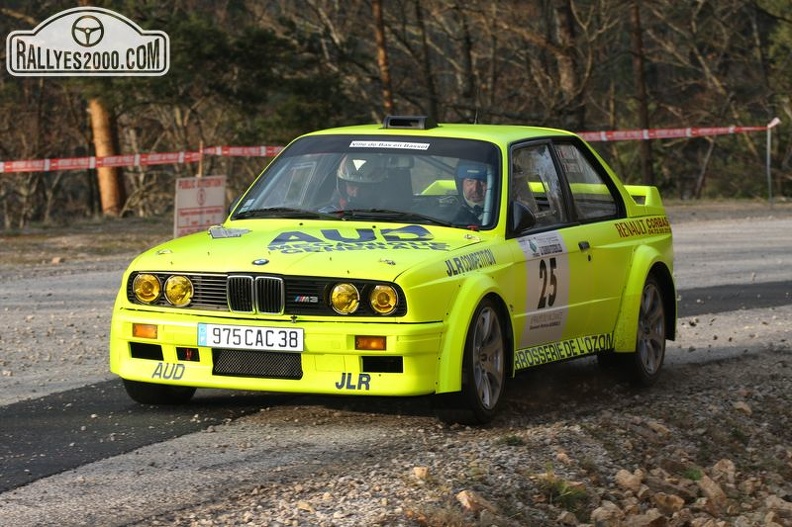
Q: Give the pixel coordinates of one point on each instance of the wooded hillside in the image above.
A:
(262, 72)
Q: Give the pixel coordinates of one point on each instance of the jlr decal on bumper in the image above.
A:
(164, 370)
(347, 382)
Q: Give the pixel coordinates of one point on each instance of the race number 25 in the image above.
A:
(549, 283)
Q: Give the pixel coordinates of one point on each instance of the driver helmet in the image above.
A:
(361, 170)
(471, 170)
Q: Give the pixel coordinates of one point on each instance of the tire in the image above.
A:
(483, 371)
(643, 367)
(159, 394)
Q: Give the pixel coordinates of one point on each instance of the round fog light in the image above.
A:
(178, 290)
(147, 288)
(344, 298)
(383, 299)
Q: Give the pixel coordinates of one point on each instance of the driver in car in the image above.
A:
(357, 182)
(471, 181)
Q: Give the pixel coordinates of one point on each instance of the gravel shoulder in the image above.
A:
(710, 445)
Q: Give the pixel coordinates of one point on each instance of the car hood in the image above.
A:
(355, 249)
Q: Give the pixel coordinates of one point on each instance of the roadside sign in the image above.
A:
(199, 204)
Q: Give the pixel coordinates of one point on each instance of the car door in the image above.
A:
(596, 208)
(549, 289)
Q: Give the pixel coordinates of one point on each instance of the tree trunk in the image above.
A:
(468, 78)
(111, 185)
(702, 179)
(426, 64)
(568, 78)
(647, 172)
(382, 58)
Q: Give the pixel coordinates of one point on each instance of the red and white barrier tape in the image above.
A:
(131, 160)
(668, 133)
(167, 158)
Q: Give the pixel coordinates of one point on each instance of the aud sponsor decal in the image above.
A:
(365, 239)
(565, 349)
(166, 370)
(87, 41)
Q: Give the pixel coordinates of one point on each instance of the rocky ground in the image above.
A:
(710, 445)
(703, 449)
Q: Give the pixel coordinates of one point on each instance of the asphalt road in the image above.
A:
(61, 413)
(64, 430)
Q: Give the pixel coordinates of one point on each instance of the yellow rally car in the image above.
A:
(404, 259)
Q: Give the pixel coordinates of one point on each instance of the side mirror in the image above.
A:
(521, 218)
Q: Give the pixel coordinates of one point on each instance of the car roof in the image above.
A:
(498, 133)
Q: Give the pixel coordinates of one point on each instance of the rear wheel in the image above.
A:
(148, 393)
(643, 366)
(483, 370)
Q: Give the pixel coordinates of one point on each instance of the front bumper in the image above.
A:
(330, 363)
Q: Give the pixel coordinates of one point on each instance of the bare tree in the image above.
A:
(636, 40)
(262, 72)
(382, 57)
(111, 183)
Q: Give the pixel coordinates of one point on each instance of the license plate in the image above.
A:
(250, 337)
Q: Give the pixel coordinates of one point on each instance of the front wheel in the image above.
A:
(643, 366)
(149, 393)
(483, 370)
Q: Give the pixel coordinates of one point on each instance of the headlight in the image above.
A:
(178, 290)
(344, 298)
(383, 299)
(147, 288)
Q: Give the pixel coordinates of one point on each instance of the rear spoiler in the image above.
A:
(646, 197)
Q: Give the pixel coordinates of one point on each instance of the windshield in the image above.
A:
(442, 181)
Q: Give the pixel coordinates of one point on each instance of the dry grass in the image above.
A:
(84, 240)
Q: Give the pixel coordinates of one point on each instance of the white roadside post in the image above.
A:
(772, 124)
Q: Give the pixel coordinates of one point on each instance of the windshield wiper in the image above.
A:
(345, 214)
(283, 212)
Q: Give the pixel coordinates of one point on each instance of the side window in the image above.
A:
(291, 190)
(534, 182)
(592, 197)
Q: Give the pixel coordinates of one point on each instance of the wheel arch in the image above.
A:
(646, 262)
(666, 282)
(449, 371)
(508, 330)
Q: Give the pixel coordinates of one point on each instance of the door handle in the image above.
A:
(584, 246)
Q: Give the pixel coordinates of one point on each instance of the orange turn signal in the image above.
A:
(367, 342)
(144, 331)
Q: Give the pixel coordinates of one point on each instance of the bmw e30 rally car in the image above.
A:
(402, 259)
